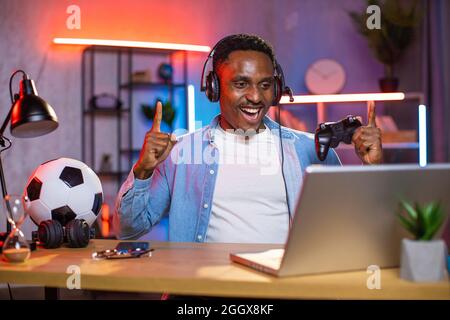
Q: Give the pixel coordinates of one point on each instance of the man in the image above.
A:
(240, 190)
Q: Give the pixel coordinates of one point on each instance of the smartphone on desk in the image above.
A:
(132, 246)
(124, 250)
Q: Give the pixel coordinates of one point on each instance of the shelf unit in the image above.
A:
(125, 90)
(123, 151)
(321, 101)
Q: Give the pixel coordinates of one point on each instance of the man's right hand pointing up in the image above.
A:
(157, 146)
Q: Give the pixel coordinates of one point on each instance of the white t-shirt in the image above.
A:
(249, 203)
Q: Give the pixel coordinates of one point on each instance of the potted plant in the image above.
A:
(395, 34)
(423, 259)
(168, 112)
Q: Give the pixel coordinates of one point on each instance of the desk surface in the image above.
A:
(204, 269)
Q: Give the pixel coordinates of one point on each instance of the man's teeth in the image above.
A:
(250, 110)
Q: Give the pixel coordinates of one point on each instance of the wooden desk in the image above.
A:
(204, 269)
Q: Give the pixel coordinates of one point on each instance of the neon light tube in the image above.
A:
(191, 108)
(354, 97)
(422, 135)
(132, 44)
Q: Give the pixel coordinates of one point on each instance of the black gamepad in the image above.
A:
(330, 134)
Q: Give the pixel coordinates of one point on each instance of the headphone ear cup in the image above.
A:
(77, 231)
(212, 87)
(51, 234)
(277, 91)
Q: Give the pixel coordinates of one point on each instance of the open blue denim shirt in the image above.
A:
(182, 186)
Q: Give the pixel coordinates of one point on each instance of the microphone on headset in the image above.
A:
(288, 91)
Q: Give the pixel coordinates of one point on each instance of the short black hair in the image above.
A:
(241, 41)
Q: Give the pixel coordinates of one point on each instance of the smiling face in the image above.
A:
(246, 89)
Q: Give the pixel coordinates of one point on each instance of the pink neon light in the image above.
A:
(132, 44)
(354, 97)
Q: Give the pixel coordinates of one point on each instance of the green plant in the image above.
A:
(396, 33)
(422, 221)
(168, 112)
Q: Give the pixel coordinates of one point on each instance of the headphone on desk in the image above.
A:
(210, 83)
(52, 234)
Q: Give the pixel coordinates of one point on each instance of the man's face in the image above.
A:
(246, 89)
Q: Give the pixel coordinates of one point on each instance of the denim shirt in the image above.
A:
(182, 186)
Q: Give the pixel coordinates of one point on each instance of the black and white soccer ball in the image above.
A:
(64, 189)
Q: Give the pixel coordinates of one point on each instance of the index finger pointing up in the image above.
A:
(156, 127)
(371, 114)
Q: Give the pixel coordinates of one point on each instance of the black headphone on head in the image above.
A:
(211, 86)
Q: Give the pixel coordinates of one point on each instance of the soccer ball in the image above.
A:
(64, 189)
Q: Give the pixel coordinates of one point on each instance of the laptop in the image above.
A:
(346, 218)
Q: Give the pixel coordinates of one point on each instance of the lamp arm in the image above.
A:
(4, 125)
(2, 179)
(8, 117)
(3, 139)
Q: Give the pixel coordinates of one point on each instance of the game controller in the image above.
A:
(330, 134)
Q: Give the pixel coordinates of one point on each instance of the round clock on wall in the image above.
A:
(325, 76)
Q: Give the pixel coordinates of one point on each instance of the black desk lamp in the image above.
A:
(30, 117)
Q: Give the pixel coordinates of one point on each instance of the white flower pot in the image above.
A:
(423, 261)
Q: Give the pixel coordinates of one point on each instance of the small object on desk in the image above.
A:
(124, 250)
(423, 259)
(16, 255)
(129, 246)
(117, 254)
(4, 235)
(15, 247)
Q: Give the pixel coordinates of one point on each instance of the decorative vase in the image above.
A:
(388, 84)
(423, 261)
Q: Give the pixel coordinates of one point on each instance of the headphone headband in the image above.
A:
(210, 82)
(210, 56)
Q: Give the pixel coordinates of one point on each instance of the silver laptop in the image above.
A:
(346, 218)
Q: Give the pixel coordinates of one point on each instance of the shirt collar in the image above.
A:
(270, 124)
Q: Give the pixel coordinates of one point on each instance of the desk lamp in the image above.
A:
(30, 116)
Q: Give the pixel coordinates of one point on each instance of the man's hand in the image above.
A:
(367, 140)
(157, 146)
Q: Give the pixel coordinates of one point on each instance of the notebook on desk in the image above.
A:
(346, 218)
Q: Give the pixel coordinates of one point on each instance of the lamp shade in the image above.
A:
(31, 116)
